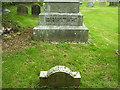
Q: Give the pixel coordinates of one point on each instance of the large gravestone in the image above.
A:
(36, 9)
(60, 76)
(22, 10)
(61, 21)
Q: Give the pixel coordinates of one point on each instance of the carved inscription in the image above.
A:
(64, 20)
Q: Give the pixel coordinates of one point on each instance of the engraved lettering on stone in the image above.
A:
(55, 20)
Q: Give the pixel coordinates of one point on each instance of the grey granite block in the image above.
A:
(62, 7)
(61, 19)
(61, 33)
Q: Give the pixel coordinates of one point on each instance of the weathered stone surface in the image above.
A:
(62, 7)
(61, 19)
(36, 9)
(60, 76)
(22, 10)
(61, 33)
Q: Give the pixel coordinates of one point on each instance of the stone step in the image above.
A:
(61, 19)
(61, 33)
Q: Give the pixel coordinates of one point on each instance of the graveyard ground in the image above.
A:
(97, 61)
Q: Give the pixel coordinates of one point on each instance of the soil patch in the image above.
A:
(17, 41)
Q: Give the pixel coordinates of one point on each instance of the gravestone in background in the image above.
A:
(22, 10)
(102, 3)
(4, 11)
(90, 4)
(61, 21)
(80, 3)
(113, 3)
(36, 9)
(60, 76)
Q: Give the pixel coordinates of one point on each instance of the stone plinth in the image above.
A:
(60, 76)
(61, 33)
(61, 21)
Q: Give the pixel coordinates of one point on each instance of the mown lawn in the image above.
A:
(97, 61)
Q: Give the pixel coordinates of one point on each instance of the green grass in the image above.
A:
(97, 61)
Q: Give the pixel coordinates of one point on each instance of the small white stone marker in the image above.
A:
(59, 76)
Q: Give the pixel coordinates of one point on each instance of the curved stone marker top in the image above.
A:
(60, 76)
(59, 69)
(35, 9)
(61, 0)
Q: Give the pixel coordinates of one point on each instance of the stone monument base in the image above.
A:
(61, 33)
